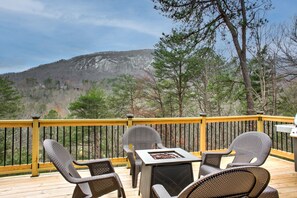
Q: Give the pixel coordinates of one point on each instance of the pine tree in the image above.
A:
(9, 99)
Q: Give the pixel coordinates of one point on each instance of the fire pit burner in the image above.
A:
(165, 155)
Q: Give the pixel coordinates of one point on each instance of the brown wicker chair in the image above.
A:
(251, 149)
(103, 178)
(140, 137)
(234, 182)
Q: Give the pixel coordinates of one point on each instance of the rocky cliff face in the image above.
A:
(55, 85)
(91, 67)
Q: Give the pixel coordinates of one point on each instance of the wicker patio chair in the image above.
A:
(251, 149)
(249, 181)
(139, 137)
(103, 179)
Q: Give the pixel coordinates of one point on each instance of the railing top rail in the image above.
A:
(15, 123)
(138, 121)
(81, 122)
(278, 118)
(180, 120)
(232, 118)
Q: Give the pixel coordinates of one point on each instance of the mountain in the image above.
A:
(90, 67)
(55, 85)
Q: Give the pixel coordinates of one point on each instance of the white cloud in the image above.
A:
(32, 7)
(78, 14)
(122, 23)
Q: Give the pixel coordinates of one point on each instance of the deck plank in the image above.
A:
(283, 178)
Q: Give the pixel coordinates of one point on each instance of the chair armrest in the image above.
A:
(160, 192)
(96, 183)
(213, 158)
(227, 152)
(127, 149)
(92, 178)
(86, 163)
(98, 167)
(130, 154)
(161, 146)
(237, 164)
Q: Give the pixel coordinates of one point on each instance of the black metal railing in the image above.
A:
(15, 146)
(280, 140)
(221, 134)
(185, 135)
(92, 139)
(86, 142)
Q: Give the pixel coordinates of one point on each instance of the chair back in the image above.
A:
(61, 158)
(141, 137)
(234, 182)
(251, 146)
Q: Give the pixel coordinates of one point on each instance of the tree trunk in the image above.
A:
(248, 87)
(274, 88)
(180, 94)
(241, 52)
(205, 93)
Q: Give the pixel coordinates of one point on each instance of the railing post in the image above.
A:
(35, 145)
(203, 132)
(130, 122)
(260, 123)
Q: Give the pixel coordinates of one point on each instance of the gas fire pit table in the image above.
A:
(171, 167)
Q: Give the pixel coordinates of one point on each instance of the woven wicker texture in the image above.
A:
(173, 178)
(140, 137)
(102, 181)
(101, 168)
(234, 182)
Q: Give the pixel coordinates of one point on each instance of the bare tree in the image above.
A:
(263, 68)
(286, 42)
(153, 93)
(202, 19)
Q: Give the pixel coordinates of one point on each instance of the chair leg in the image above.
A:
(132, 171)
(77, 193)
(135, 175)
(134, 180)
(121, 193)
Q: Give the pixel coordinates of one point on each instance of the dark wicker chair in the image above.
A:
(251, 149)
(103, 178)
(137, 138)
(234, 182)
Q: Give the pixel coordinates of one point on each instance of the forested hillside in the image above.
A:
(184, 74)
(53, 86)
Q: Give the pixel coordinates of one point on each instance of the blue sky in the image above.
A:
(34, 32)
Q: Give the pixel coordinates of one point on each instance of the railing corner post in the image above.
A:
(203, 132)
(260, 123)
(130, 120)
(35, 145)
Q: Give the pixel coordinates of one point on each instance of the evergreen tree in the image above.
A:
(92, 105)
(52, 114)
(9, 99)
(175, 66)
(125, 96)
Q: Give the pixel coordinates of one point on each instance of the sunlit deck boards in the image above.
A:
(282, 172)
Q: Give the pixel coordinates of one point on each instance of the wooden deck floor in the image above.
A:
(283, 178)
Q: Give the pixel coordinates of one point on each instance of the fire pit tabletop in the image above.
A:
(168, 155)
